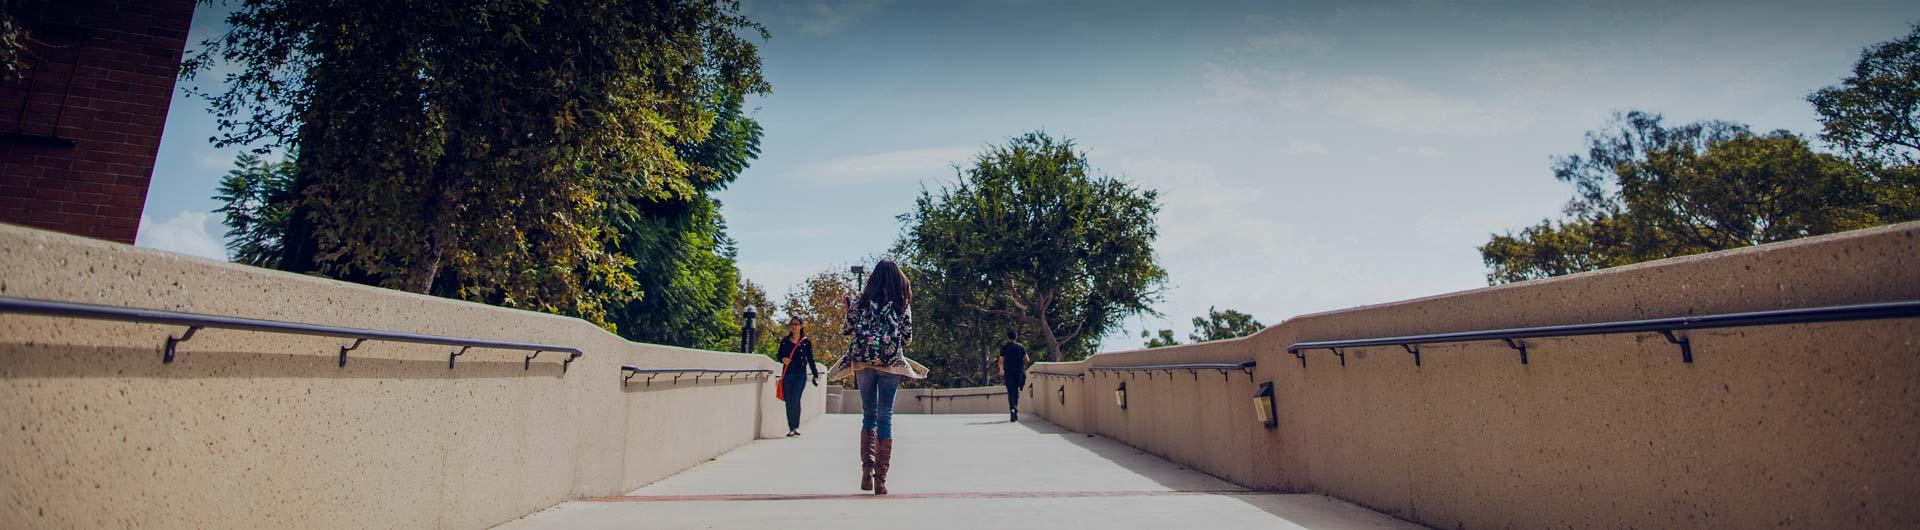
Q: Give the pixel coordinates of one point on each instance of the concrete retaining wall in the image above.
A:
(1790, 426)
(260, 430)
(973, 400)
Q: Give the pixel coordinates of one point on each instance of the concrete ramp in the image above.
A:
(952, 471)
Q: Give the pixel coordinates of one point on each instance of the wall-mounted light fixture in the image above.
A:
(1263, 406)
(1063, 394)
(1120, 395)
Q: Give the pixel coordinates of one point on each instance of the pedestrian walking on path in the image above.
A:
(881, 325)
(796, 359)
(1013, 372)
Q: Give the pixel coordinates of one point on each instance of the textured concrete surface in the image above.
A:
(262, 430)
(1794, 426)
(952, 471)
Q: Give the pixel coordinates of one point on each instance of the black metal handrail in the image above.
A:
(1057, 374)
(1664, 326)
(195, 322)
(951, 396)
(631, 370)
(1191, 368)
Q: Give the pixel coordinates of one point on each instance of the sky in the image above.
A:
(1310, 157)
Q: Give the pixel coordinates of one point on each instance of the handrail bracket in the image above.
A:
(1518, 345)
(345, 349)
(1686, 345)
(175, 341)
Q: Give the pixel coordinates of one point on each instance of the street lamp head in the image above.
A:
(750, 313)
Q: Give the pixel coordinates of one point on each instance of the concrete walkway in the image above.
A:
(952, 471)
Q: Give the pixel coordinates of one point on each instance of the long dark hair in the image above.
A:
(888, 285)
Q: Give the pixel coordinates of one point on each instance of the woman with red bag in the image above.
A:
(796, 359)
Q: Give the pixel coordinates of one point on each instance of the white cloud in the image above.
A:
(1290, 42)
(826, 18)
(1306, 148)
(187, 232)
(911, 164)
(213, 160)
(1423, 151)
(1378, 101)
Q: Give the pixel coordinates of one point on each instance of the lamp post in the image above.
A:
(746, 329)
(859, 277)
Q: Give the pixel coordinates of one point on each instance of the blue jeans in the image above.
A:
(877, 389)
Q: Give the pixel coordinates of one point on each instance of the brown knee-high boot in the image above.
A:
(866, 459)
(882, 459)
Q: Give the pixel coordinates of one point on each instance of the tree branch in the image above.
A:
(1002, 312)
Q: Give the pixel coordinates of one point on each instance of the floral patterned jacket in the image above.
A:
(880, 334)
(879, 340)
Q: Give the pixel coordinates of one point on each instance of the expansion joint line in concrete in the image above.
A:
(911, 496)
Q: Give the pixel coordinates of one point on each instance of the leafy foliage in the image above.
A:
(474, 149)
(1162, 339)
(1875, 111)
(683, 258)
(13, 45)
(1029, 237)
(1646, 191)
(821, 302)
(1873, 115)
(1217, 325)
(257, 197)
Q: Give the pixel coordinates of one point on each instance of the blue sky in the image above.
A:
(1310, 156)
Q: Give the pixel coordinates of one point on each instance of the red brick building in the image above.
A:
(80, 127)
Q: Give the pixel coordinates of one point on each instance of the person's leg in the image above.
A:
(865, 380)
(1013, 398)
(886, 386)
(795, 387)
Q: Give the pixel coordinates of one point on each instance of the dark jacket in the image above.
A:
(802, 360)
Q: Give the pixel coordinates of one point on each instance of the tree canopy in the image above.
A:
(1874, 112)
(1873, 116)
(481, 149)
(1217, 325)
(1028, 236)
(820, 300)
(256, 198)
(1647, 191)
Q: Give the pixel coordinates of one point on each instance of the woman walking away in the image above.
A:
(881, 325)
(796, 359)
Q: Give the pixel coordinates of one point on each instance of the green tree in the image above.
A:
(683, 260)
(13, 44)
(821, 301)
(1217, 325)
(1027, 234)
(1224, 324)
(1646, 191)
(472, 149)
(1161, 340)
(1873, 115)
(256, 197)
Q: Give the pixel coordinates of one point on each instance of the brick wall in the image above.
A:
(79, 132)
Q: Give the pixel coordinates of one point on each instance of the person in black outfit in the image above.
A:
(796, 357)
(1013, 370)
